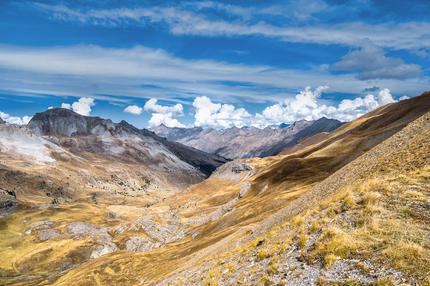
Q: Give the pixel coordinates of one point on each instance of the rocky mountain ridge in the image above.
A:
(63, 123)
(247, 142)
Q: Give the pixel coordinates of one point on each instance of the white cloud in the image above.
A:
(370, 62)
(82, 106)
(166, 119)
(133, 109)
(305, 105)
(66, 106)
(15, 119)
(298, 10)
(218, 115)
(406, 35)
(88, 71)
(161, 114)
(152, 106)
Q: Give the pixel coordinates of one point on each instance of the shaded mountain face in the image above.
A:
(120, 141)
(247, 142)
(176, 133)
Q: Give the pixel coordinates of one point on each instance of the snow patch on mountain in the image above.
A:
(20, 141)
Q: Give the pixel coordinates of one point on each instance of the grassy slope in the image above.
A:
(365, 224)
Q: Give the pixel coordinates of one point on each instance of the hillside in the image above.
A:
(366, 224)
(269, 217)
(247, 142)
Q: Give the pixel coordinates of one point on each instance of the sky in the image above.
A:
(211, 63)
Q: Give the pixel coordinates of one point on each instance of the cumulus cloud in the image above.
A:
(133, 109)
(159, 118)
(15, 119)
(305, 105)
(164, 114)
(218, 115)
(66, 106)
(82, 106)
(370, 62)
(152, 106)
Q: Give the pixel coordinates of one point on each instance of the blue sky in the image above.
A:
(211, 63)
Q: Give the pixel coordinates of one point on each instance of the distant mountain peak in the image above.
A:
(65, 122)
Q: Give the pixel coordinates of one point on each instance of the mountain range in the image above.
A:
(247, 142)
(121, 141)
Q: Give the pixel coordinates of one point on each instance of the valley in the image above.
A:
(86, 201)
(214, 143)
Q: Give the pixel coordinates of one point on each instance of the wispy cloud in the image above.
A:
(298, 10)
(394, 35)
(91, 71)
(161, 114)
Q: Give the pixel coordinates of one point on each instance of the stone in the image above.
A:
(47, 234)
(103, 249)
(141, 244)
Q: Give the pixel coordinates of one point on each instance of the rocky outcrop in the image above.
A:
(141, 244)
(161, 233)
(81, 230)
(7, 199)
(43, 230)
(103, 249)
